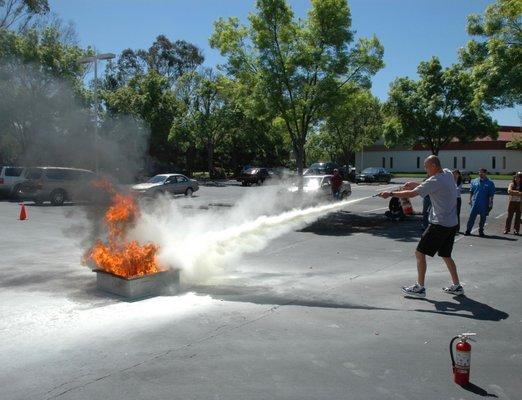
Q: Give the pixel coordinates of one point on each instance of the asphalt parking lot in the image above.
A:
(317, 314)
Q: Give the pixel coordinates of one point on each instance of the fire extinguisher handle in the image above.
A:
(451, 350)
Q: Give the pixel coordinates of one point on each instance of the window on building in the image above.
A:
(454, 162)
(503, 162)
(418, 162)
(384, 162)
(463, 162)
(391, 162)
(493, 162)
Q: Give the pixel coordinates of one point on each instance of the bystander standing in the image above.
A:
(336, 181)
(481, 194)
(515, 204)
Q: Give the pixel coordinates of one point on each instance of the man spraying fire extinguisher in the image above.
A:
(440, 234)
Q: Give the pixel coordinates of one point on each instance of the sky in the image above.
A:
(410, 30)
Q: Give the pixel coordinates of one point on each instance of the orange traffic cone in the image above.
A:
(23, 215)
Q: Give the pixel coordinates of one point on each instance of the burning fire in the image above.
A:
(118, 256)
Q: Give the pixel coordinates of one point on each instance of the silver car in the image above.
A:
(10, 179)
(167, 183)
(318, 188)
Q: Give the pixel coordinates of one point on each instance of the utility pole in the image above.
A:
(87, 60)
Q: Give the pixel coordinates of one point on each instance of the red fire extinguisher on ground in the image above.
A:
(461, 361)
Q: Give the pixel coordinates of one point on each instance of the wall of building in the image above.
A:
(506, 161)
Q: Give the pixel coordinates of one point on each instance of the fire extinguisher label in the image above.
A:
(463, 359)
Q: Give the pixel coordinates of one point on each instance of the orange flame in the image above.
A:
(118, 256)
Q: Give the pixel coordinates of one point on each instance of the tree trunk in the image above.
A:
(299, 159)
(190, 156)
(210, 158)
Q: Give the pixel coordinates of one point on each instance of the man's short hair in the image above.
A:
(433, 159)
(483, 170)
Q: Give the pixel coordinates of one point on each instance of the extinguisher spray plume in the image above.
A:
(461, 361)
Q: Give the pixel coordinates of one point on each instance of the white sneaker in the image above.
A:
(454, 290)
(414, 291)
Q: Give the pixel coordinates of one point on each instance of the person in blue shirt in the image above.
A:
(481, 193)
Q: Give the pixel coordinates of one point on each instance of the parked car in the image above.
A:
(167, 183)
(57, 185)
(318, 188)
(373, 174)
(348, 172)
(10, 179)
(252, 175)
(322, 168)
(466, 176)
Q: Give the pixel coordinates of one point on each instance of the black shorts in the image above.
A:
(437, 239)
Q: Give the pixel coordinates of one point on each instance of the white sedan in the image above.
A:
(318, 188)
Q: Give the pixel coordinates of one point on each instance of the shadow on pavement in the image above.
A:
(344, 223)
(70, 284)
(252, 295)
(476, 309)
(496, 237)
(471, 387)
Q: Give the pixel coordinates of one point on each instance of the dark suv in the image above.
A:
(57, 185)
(253, 175)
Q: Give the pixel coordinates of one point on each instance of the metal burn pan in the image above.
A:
(138, 286)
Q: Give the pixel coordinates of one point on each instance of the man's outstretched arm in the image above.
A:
(403, 194)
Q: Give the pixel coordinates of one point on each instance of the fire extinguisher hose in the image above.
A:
(451, 350)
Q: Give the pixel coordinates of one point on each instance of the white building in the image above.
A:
(481, 153)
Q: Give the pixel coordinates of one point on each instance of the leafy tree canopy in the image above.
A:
(495, 56)
(18, 13)
(435, 109)
(167, 58)
(354, 122)
(296, 67)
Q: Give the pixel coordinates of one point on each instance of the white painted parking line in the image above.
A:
(472, 231)
(501, 215)
(375, 209)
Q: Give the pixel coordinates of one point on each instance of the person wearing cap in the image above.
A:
(481, 192)
(514, 204)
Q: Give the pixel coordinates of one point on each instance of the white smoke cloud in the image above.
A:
(204, 244)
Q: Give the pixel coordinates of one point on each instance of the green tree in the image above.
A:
(435, 109)
(206, 116)
(167, 58)
(37, 72)
(18, 13)
(354, 122)
(495, 57)
(296, 67)
(514, 144)
(143, 83)
(149, 98)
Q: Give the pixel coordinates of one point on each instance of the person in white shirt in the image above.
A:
(439, 237)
